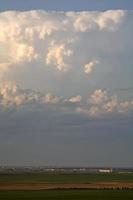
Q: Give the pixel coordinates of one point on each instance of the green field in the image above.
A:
(65, 178)
(68, 194)
(77, 194)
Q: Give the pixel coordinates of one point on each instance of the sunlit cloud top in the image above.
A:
(62, 48)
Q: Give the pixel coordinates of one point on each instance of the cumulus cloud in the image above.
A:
(85, 21)
(100, 103)
(89, 66)
(56, 56)
(98, 97)
(51, 99)
(75, 99)
(112, 104)
(39, 44)
(24, 53)
(53, 68)
(49, 37)
(9, 95)
(12, 95)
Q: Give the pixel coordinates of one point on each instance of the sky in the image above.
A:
(66, 5)
(66, 86)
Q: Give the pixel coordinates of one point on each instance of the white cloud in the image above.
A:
(42, 42)
(110, 19)
(75, 99)
(49, 37)
(92, 111)
(12, 95)
(89, 66)
(86, 21)
(9, 94)
(24, 53)
(126, 106)
(101, 103)
(98, 97)
(112, 104)
(50, 99)
(57, 54)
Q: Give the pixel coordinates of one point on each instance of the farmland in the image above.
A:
(65, 177)
(84, 186)
(68, 194)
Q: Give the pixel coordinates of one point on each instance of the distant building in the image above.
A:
(105, 170)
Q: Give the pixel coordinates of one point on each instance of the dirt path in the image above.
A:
(45, 186)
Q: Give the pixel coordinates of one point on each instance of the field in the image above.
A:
(52, 186)
(67, 195)
(65, 177)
